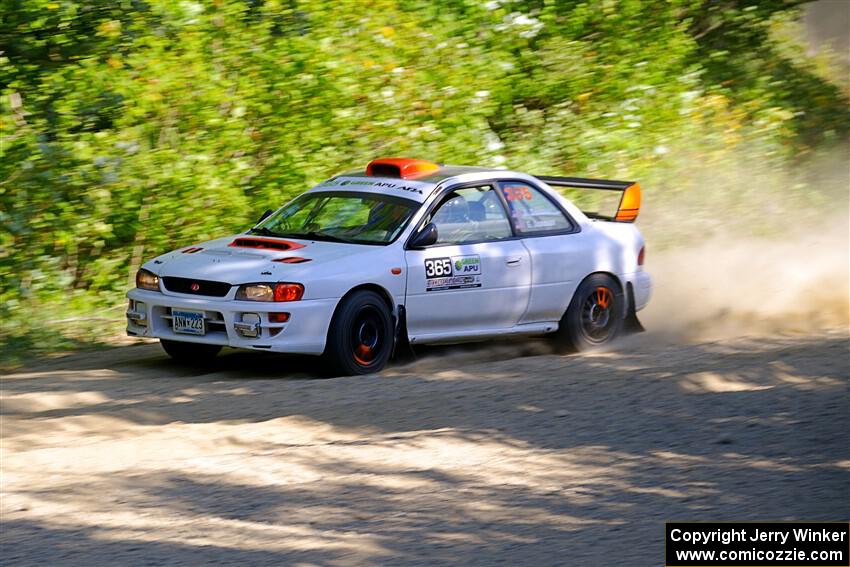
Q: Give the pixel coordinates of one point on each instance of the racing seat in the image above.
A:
(453, 211)
(477, 212)
(484, 228)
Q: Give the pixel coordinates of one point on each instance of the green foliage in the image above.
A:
(133, 127)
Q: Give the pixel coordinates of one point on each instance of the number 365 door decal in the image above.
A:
(456, 272)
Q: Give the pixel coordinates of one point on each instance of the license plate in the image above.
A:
(188, 322)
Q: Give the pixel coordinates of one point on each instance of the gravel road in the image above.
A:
(495, 455)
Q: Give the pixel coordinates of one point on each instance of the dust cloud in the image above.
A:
(766, 252)
(729, 287)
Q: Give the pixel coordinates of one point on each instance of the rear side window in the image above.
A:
(531, 211)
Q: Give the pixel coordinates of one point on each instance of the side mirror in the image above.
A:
(425, 237)
(265, 215)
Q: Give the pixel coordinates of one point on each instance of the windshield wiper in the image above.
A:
(265, 232)
(316, 235)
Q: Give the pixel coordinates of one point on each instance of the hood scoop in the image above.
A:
(291, 260)
(266, 244)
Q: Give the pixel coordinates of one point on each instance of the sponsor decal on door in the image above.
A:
(456, 272)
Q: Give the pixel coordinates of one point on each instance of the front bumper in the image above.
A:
(149, 315)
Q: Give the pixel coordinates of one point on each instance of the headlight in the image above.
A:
(147, 280)
(270, 292)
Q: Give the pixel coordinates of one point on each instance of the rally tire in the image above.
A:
(190, 353)
(594, 317)
(360, 337)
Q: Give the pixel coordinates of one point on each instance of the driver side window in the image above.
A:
(471, 214)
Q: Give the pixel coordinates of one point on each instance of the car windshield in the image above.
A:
(357, 218)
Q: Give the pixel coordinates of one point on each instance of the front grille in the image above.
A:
(204, 287)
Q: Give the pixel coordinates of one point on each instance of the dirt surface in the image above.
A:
(477, 456)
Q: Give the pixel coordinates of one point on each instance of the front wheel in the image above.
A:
(195, 353)
(594, 317)
(360, 338)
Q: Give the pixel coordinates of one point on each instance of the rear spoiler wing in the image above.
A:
(627, 210)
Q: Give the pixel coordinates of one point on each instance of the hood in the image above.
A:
(245, 258)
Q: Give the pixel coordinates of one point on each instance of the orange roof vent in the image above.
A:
(405, 168)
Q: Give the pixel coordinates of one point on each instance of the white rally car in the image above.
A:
(407, 252)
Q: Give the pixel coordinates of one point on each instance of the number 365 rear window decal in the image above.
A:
(456, 272)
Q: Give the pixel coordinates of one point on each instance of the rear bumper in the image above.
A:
(149, 315)
(641, 287)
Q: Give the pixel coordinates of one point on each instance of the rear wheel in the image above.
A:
(360, 338)
(595, 315)
(195, 353)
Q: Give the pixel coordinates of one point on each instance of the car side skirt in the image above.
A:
(480, 334)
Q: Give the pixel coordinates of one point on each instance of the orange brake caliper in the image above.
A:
(603, 297)
(362, 353)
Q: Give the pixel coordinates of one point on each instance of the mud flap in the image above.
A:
(631, 323)
(402, 349)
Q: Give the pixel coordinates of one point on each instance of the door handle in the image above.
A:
(513, 261)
